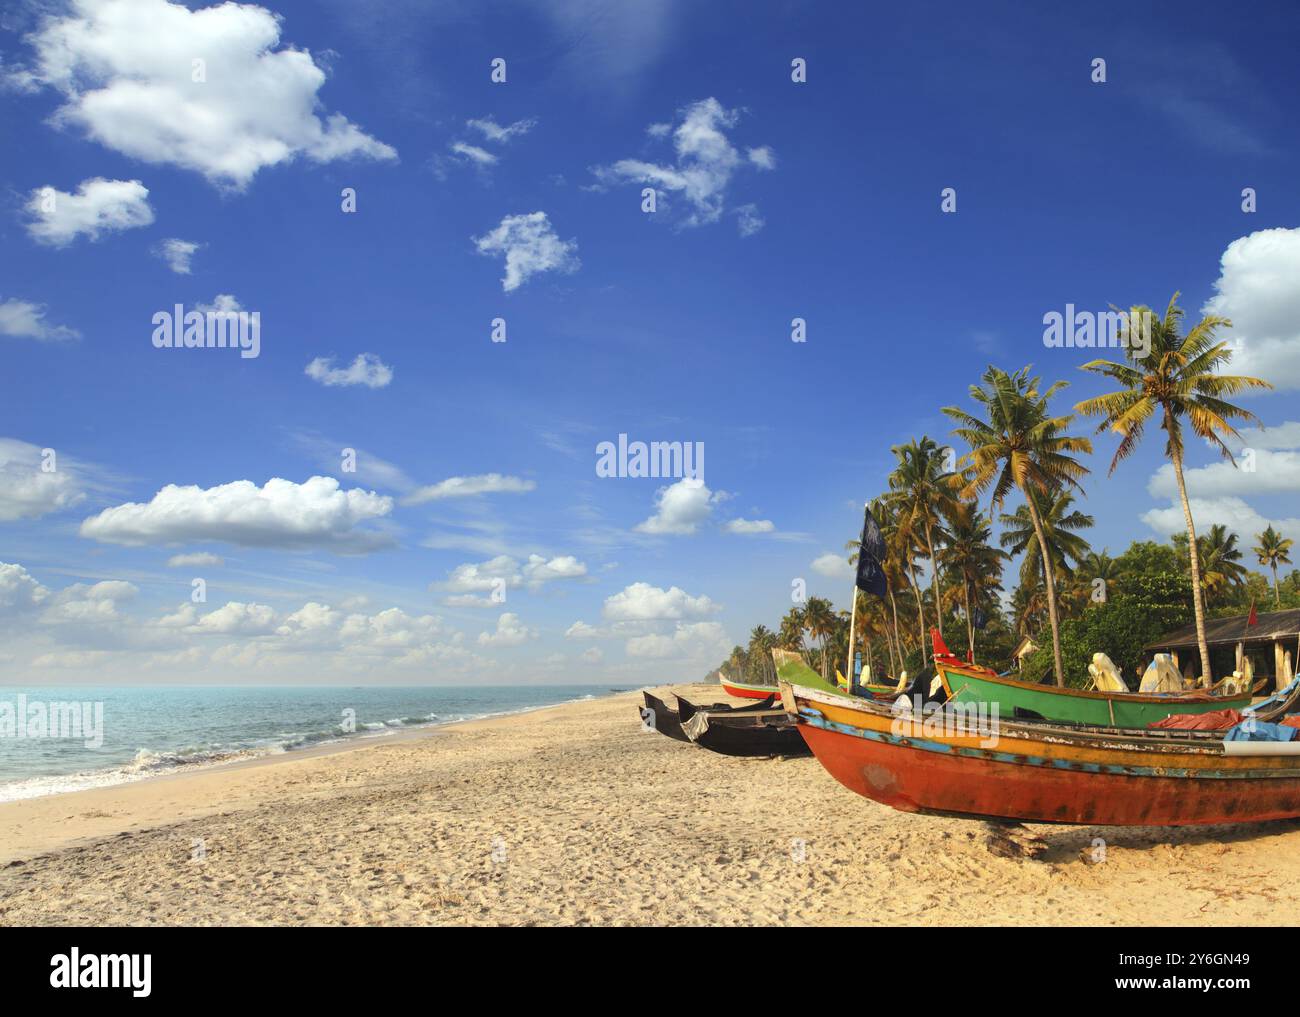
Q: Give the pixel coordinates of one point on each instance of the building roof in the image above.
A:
(1273, 625)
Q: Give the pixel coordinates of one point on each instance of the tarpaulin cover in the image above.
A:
(1259, 731)
(1215, 720)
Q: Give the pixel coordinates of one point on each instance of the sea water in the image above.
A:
(147, 731)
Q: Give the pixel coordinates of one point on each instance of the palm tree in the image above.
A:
(790, 636)
(1094, 566)
(819, 619)
(1021, 446)
(761, 641)
(1272, 550)
(969, 556)
(924, 491)
(1178, 377)
(1219, 560)
(1064, 546)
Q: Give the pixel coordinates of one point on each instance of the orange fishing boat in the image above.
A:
(961, 761)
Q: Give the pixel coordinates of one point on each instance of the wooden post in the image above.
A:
(1280, 677)
(1241, 653)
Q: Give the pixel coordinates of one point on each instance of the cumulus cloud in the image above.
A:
(466, 487)
(531, 246)
(177, 253)
(509, 632)
(642, 602)
(20, 319)
(88, 603)
(280, 514)
(704, 164)
(593, 655)
(1257, 289)
(1269, 472)
(29, 489)
(207, 90)
(465, 582)
(200, 559)
(99, 206)
(367, 369)
(693, 640)
(1234, 513)
(19, 591)
(750, 526)
(832, 566)
(680, 508)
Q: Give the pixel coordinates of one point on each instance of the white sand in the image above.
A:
(573, 814)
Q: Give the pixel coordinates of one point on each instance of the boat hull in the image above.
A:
(1034, 773)
(744, 691)
(1075, 706)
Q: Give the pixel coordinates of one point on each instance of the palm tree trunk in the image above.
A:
(1277, 594)
(920, 613)
(934, 578)
(898, 643)
(970, 624)
(1051, 591)
(1198, 595)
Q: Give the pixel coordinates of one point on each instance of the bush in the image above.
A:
(1120, 628)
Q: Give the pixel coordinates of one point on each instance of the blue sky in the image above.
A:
(818, 200)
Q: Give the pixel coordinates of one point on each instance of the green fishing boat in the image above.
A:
(1074, 706)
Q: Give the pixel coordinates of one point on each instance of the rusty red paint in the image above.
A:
(917, 780)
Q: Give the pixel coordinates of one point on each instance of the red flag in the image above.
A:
(1253, 618)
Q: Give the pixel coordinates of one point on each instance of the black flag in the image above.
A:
(979, 619)
(871, 556)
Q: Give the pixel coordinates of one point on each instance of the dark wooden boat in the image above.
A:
(759, 730)
(657, 715)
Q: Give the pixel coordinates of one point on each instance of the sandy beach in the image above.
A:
(575, 815)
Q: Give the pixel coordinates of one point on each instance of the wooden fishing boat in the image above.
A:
(966, 683)
(664, 719)
(760, 730)
(746, 690)
(1046, 773)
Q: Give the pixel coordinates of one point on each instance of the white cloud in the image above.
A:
(93, 604)
(531, 246)
(200, 559)
(494, 132)
(29, 492)
(1258, 290)
(750, 526)
(235, 618)
(581, 630)
(367, 369)
(504, 572)
(748, 220)
(1274, 472)
(1234, 513)
(127, 74)
(1284, 435)
(832, 566)
(509, 632)
(641, 602)
(704, 165)
(694, 640)
(593, 655)
(476, 155)
(465, 487)
(177, 253)
(280, 514)
(99, 206)
(20, 319)
(19, 591)
(680, 508)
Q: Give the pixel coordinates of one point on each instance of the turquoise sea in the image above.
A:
(146, 731)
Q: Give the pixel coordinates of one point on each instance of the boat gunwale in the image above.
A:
(1117, 697)
(1167, 741)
